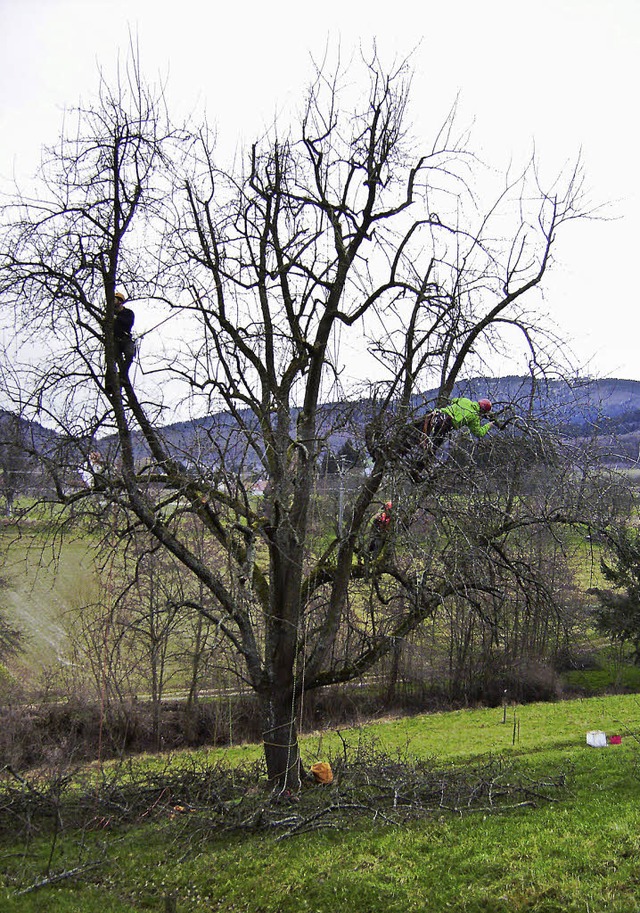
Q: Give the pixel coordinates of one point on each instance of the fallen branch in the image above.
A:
(60, 876)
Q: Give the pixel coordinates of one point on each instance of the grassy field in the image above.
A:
(43, 581)
(580, 852)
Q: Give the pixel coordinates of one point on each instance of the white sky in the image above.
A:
(562, 74)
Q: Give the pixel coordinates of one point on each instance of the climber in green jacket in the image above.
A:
(463, 412)
(427, 434)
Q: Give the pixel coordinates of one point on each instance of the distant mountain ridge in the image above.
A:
(577, 407)
(579, 404)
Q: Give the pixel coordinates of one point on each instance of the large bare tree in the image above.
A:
(343, 231)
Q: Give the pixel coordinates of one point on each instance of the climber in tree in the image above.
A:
(122, 326)
(460, 413)
(123, 319)
(381, 523)
(426, 435)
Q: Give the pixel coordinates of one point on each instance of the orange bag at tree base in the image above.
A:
(322, 772)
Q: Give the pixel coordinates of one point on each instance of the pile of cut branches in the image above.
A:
(368, 784)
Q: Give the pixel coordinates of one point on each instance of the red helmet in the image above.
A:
(485, 405)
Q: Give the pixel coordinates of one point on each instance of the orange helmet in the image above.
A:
(485, 405)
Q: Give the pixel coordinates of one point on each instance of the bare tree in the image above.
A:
(11, 638)
(337, 232)
(13, 459)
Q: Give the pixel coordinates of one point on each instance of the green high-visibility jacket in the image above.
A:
(466, 412)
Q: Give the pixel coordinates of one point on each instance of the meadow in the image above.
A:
(577, 851)
(43, 581)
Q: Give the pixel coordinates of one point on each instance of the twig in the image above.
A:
(61, 876)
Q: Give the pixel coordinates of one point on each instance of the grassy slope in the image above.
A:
(580, 854)
(43, 584)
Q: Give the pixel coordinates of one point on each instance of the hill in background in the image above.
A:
(580, 407)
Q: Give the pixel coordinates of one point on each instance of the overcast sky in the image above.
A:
(560, 74)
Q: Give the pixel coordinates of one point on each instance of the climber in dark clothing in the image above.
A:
(122, 326)
(381, 524)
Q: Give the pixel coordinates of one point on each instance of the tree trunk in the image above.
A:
(280, 739)
(392, 682)
(196, 659)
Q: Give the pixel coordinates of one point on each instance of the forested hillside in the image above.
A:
(608, 408)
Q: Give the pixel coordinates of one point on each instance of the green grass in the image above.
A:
(581, 853)
(610, 677)
(43, 582)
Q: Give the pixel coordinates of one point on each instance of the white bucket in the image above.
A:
(597, 739)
